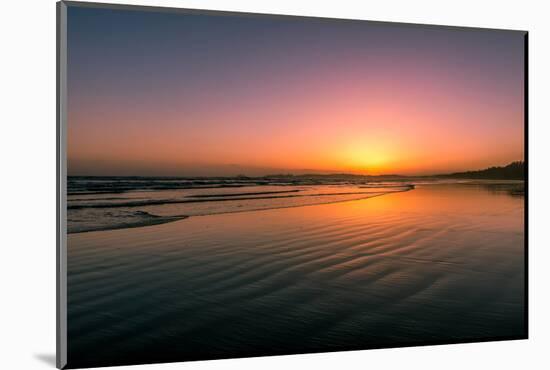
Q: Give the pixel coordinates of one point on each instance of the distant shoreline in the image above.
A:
(512, 171)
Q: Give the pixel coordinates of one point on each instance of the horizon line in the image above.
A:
(312, 173)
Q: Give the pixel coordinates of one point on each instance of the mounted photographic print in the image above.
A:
(236, 185)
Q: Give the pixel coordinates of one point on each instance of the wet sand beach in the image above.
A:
(440, 263)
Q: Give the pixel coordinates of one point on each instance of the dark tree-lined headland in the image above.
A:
(513, 171)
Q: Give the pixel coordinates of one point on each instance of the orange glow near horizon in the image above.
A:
(417, 102)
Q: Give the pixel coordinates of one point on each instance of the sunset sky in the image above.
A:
(154, 93)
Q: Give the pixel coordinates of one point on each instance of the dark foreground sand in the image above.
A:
(439, 263)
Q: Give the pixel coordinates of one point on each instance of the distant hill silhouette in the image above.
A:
(513, 171)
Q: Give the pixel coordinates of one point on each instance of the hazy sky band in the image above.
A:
(173, 94)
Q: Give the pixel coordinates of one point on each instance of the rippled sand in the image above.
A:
(436, 264)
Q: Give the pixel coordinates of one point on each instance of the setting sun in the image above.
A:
(370, 106)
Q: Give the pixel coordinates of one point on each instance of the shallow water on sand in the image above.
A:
(435, 264)
(157, 201)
